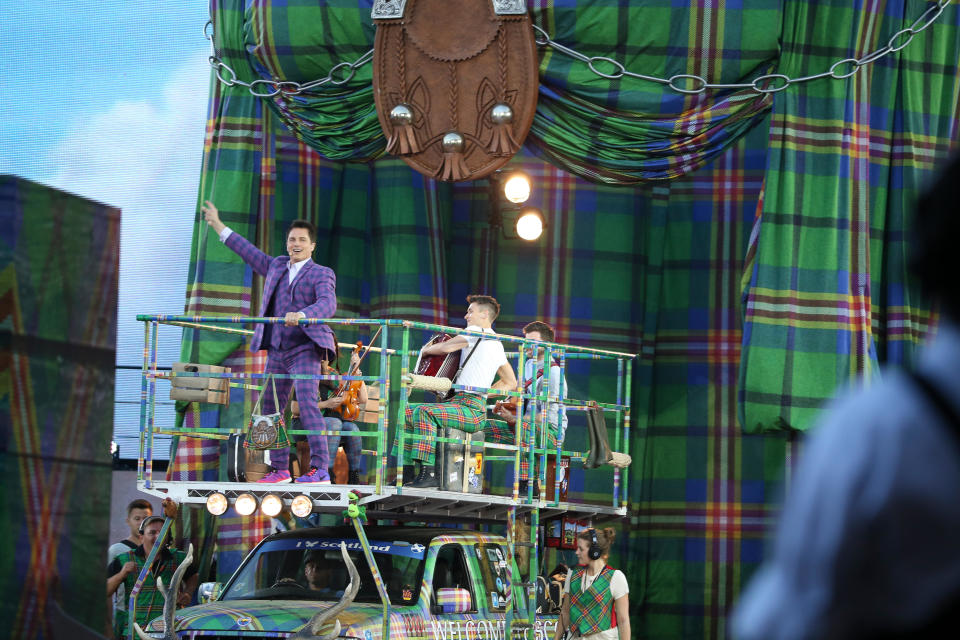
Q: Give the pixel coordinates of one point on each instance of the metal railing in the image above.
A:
(394, 362)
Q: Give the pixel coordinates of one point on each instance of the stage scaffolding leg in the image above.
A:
(357, 517)
(151, 405)
(511, 551)
(383, 419)
(625, 476)
(402, 409)
(143, 399)
(617, 431)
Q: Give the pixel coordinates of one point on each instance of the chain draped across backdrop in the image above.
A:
(755, 261)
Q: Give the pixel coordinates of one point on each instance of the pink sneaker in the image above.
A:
(314, 476)
(275, 477)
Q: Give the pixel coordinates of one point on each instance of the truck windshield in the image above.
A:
(313, 569)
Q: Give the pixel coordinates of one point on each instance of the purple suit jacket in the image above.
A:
(313, 292)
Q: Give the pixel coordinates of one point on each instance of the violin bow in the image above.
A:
(366, 350)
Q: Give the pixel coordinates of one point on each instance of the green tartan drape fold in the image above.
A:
(628, 130)
(828, 298)
(611, 130)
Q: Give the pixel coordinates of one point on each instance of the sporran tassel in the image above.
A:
(453, 167)
(503, 143)
(403, 139)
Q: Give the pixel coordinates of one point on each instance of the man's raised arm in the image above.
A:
(258, 260)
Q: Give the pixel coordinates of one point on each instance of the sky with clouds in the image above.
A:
(107, 99)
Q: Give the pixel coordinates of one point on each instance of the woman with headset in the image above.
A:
(595, 594)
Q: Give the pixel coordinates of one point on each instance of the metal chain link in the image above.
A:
(263, 88)
(681, 83)
(767, 83)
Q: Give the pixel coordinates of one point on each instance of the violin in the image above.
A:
(506, 405)
(349, 390)
(349, 409)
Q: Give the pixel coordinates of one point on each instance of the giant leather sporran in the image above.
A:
(455, 83)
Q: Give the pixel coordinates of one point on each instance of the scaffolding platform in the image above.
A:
(390, 503)
(394, 355)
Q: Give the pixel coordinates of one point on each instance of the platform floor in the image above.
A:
(403, 504)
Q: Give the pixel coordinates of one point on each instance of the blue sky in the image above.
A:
(107, 99)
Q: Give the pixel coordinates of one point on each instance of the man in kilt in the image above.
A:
(466, 411)
(531, 380)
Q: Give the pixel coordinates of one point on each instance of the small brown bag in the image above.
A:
(266, 431)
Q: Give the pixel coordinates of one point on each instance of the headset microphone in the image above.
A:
(594, 551)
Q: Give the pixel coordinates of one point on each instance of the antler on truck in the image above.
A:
(169, 599)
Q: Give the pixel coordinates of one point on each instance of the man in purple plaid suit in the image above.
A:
(294, 287)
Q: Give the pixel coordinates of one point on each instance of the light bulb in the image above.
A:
(530, 224)
(517, 188)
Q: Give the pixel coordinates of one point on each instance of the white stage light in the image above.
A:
(271, 505)
(530, 224)
(245, 504)
(516, 188)
(217, 504)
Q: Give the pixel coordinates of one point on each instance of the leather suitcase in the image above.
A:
(244, 465)
(461, 465)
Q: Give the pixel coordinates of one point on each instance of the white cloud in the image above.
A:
(144, 157)
(137, 155)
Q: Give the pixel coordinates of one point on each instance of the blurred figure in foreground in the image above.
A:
(867, 545)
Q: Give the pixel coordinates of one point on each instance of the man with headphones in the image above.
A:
(127, 566)
(595, 595)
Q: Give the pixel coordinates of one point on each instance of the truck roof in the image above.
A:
(413, 534)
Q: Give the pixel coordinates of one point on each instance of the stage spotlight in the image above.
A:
(245, 504)
(301, 506)
(530, 224)
(516, 188)
(217, 504)
(271, 505)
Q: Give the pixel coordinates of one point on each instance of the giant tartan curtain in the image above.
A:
(828, 297)
(654, 268)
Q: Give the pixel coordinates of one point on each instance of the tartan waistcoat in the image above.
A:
(592, 609)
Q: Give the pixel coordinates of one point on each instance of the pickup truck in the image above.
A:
(442, 584)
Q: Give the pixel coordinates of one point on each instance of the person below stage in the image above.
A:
(595, 601)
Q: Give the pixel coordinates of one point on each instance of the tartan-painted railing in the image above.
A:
(388, 361)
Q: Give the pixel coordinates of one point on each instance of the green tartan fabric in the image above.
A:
(627, 130)
(464, 412)
(58, 353)
(498, 431)
(828, 298)
(149, 600)
(591, 610)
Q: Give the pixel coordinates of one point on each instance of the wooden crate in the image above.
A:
(192, 389)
